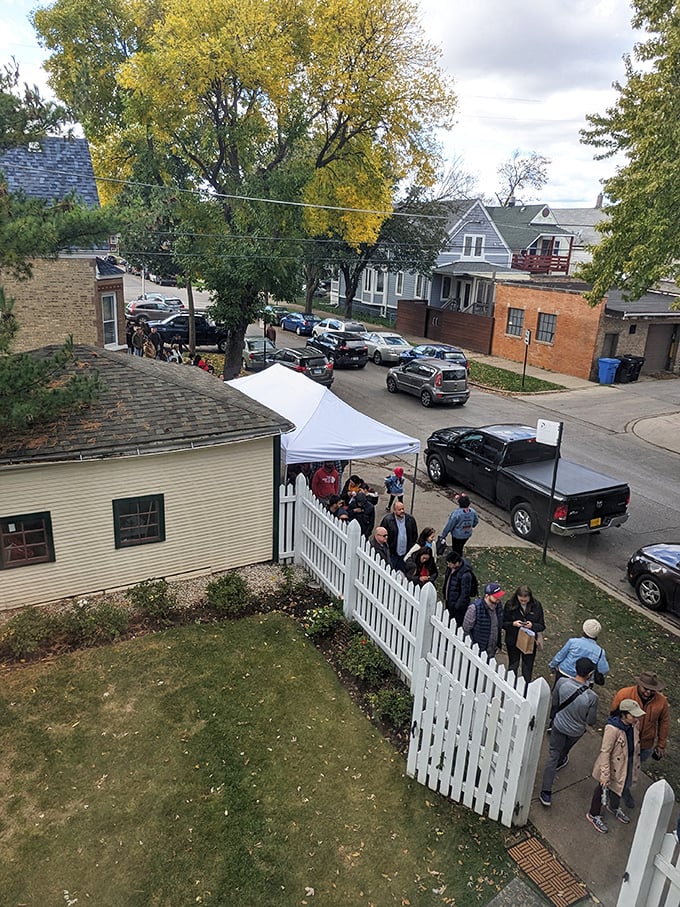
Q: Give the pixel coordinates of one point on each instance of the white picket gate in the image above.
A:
(476, 730)
(652, 877)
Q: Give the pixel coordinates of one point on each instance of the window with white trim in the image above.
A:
(380, 282)
(473, 246)
(399, 283)
(445, 288)
(368, 280)
(109, 320)
(421, 287)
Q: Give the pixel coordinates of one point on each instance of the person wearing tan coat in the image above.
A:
(617, 764)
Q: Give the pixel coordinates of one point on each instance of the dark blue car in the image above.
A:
(299, 322)
(435, 351)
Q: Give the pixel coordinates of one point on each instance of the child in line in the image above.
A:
(394, 485)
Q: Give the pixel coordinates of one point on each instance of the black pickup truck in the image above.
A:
(507, 465)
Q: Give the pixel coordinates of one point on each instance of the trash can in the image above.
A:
(629, 369)
(606, 370)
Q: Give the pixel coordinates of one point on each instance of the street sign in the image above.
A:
(527, 337)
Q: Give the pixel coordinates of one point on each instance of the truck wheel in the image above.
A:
(524, 523)
(435, 470)
(650, 593)
(222, 344)
(392, 385)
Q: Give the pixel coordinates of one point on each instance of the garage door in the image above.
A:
(659, 338)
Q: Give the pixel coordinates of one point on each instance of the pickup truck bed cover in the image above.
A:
(571, 477)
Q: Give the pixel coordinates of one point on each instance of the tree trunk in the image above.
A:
(233, 351)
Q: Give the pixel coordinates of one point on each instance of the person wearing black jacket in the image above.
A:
(457, 585)
(360, 509)
(421, 567)
(402, 533)
(523, 610)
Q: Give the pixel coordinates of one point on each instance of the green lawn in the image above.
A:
(219, 764)
(632, 641)
(507, 380)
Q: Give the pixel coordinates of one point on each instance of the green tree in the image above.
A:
(328, 104)
(24, 114)
(640, 238)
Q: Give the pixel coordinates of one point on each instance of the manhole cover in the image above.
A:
(554, 880)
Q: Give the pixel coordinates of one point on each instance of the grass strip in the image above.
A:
(504, 379)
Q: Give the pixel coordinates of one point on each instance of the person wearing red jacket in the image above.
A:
(654, 726)
(325, 481)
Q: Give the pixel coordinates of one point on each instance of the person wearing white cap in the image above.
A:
(586, 646)
(617, 764)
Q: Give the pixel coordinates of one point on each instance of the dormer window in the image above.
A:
(473, 246)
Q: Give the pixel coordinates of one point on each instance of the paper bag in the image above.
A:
(526, 641)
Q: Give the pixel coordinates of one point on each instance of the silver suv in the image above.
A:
(433, 380)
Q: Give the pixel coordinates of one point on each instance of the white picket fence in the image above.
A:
(476, 730)
(652, 877)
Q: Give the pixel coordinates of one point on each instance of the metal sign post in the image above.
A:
(527, 341)
(550, 433)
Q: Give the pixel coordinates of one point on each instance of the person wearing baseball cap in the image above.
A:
(484, 619)
(617, 764)
(654, 726)
(586, 646)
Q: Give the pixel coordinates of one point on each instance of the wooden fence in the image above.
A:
(476, 729)
(652, 876)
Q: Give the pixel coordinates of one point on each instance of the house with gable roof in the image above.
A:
(81, 292)
(169, 472)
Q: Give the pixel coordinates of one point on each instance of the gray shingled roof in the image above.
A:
(514, 225)
(52, 168)
(662, 304)
(147, 406)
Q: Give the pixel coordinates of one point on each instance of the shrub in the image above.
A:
(26, 633)
(323, 621)
(229, 595)
(365, 660)
(84, 624)
(153, 598)
(393, 706)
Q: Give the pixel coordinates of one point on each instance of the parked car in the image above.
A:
(257, 352)
(299, 322)
(163, 280)
(341, 348)
(654, 571)
(149, 310)
(308, 362)
(433, 380)
(385, 347)
(177, 325)
(274, 313)
(435, 351)
(338, 324)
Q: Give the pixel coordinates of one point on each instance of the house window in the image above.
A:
(421, 285)
(446, 288)
(25, 540)
(139, 521)
(109, 320)
(380, 282)
(368, 280)
(515, 322)
(473, 246)
(545, 327)
(399, 287)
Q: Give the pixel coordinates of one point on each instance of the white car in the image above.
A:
(338, 324)
(385, 347)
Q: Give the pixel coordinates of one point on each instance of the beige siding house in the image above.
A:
(169, 473)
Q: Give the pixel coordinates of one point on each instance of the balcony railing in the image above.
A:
(540, 264)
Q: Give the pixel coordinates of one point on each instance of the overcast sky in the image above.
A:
(526, 74)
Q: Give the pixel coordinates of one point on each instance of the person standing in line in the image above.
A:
(378, 543)
(402, 533)
(654, 726)
(574, 708)
(394, 485)
(617, 764)
(138, 340)
(461, 524)
(421, 567)
(459, 586)
(425, 539)
(325, 481)
(270, 333)
(483, 620)
(586, 646)
(523, 610)
(129, 331)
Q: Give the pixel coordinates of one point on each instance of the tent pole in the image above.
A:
(413, 489)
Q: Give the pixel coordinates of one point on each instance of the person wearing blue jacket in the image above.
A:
(461, 523)
(586, 646)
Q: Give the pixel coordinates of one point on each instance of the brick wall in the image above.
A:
(62, 298)
(574, 350)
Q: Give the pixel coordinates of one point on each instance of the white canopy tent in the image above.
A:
(326, 428)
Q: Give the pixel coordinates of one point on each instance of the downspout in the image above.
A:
(276, 497)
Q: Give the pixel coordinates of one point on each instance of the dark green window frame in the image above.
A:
(139, 520)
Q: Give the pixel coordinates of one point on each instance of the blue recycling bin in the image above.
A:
(606, 370)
